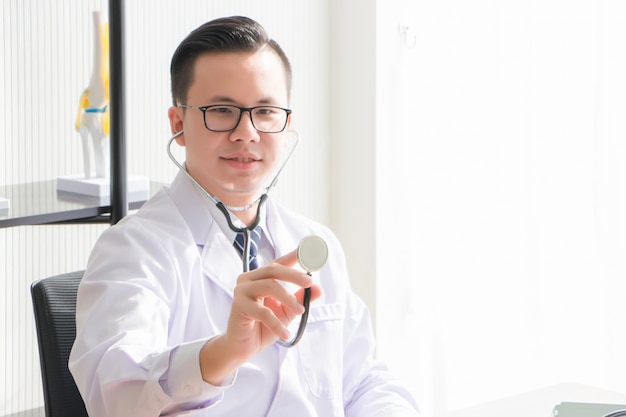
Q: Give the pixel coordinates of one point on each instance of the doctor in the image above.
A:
(167, 323)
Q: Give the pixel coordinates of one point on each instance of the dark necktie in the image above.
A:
(255, 236)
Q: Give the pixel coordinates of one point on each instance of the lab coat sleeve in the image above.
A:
(123, 360)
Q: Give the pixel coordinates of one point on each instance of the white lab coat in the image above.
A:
(159, 284)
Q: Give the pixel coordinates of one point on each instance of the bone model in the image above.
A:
(92, 121)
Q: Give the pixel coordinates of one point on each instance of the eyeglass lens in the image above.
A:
(265, 119)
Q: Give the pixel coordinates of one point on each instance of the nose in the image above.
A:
(245, 129)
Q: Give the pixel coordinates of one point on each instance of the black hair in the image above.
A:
(227, 34)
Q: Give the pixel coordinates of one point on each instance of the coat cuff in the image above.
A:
(184, 382)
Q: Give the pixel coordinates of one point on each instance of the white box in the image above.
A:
(5, 204)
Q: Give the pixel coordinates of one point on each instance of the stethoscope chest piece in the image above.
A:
(312, 253)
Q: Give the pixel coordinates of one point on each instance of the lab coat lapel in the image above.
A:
(220, 261)
(279, 228)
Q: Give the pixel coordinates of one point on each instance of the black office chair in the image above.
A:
(54, 303)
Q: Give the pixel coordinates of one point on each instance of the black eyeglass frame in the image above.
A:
(203, 109)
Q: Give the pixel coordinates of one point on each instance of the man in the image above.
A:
(167, 324)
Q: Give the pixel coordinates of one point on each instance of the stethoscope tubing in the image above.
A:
(246, 231)
(304, 318)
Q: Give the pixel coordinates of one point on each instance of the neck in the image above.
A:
(247, 216)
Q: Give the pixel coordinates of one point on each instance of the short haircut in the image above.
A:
(227, 34)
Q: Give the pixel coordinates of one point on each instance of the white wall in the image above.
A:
(500, 158)
(353, 187)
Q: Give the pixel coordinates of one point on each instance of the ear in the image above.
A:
(289, 121)
(175, 115)
(287, 143)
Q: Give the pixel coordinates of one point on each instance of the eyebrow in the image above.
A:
(228, 100)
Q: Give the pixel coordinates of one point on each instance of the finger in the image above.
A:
(275, 315)
(267, 317)
(284, 313)
(316, 292)
(288, 315)
(264, 290)
(289, 312)
(289, 259)
(277, 271)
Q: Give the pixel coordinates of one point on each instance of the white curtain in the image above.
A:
(502, 160)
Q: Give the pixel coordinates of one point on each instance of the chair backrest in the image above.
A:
(54, 303)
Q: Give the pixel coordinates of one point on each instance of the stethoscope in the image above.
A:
(312, 251)
(617, 413)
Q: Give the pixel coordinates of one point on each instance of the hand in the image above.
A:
(261, 311)
(262, 308)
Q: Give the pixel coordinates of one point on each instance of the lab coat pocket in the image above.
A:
(320, 351)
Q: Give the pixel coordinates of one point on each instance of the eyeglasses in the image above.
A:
(224, 118)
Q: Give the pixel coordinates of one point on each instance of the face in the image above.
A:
(233, 166)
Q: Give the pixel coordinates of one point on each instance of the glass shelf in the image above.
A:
(41, 203)
(34, 412)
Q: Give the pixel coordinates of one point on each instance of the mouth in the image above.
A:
(242, 162)
(242, 159)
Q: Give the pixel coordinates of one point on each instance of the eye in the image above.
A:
(265, 111)
(222, 110)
